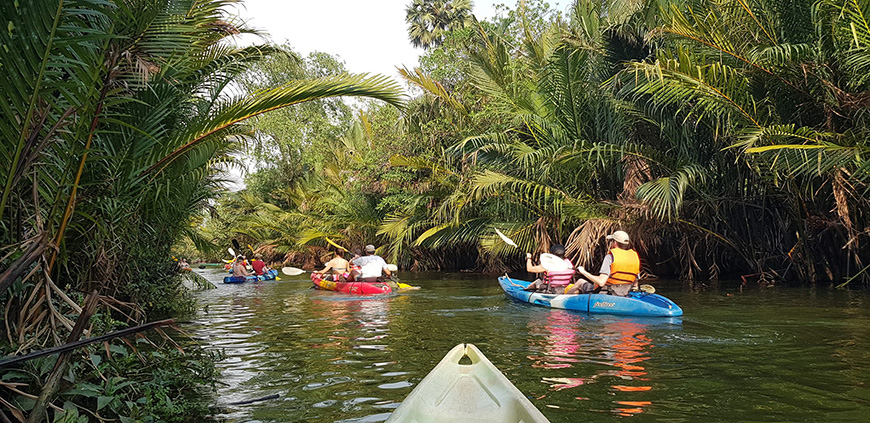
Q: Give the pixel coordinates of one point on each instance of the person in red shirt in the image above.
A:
(258, 265)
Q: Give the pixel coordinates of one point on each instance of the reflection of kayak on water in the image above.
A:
(635, 304)
(466, 387)
(267, 276)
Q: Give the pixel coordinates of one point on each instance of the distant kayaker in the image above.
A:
(337, 268)
(558, 270)
(258, 265)
(239, 268)
(372, 267)
(618, 273)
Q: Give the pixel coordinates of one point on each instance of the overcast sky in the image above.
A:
(368, 35)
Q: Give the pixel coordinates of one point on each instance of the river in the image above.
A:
(763, 354)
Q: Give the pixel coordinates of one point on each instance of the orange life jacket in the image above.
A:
(560, 277)
(625, 267)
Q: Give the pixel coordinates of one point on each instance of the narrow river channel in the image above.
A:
(764, 355)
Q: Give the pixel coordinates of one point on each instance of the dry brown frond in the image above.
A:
(841, 190)
(585, 241)
(637, 172)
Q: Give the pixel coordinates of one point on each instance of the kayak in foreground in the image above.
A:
(353, 288)
(476, 392)
(635, 304)
(267, 276)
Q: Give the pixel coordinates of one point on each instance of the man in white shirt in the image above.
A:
(372, 266)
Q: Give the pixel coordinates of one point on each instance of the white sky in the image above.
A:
(370, 36)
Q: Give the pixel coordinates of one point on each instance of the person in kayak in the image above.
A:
(258, 265)
(372, 267)
(239, 268)
(618, 273)
(558, 271)
(336, 268)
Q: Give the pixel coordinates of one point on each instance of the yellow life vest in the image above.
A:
(625, 267)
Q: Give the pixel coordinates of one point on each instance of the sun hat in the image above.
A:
(370, 248)
(619, 236)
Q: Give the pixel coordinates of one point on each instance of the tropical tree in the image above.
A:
(584, 154)
(429, 21)
(784, 86)
(115, 124)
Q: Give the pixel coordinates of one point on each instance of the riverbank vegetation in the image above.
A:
(727, 137)
(118, 118)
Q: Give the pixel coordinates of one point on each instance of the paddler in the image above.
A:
(337, 268)
(372, 267)
(558, 271)
(618, 272)
(239, 268)
(258, 265)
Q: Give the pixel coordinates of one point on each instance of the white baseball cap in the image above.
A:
(619, 236)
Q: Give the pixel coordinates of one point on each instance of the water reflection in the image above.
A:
(582, 350)
(337, 358)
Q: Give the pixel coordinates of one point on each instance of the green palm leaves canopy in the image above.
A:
(429, 21)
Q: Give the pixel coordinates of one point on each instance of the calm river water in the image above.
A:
(763, 355)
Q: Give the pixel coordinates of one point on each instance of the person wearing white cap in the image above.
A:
(618, 273)
(371, 266)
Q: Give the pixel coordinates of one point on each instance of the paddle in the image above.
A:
(335, 245)
(232, 253)
(506, 240)
(292, 271)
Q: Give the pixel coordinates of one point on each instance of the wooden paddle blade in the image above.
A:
(292, 271)
(392, 267)
(507, 240)
(649, 289)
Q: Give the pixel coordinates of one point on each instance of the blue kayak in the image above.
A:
(635, 304)
(269, 275)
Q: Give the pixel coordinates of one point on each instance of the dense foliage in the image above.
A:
(116, 122)
(727, 137)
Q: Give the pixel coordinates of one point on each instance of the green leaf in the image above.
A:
(85, 389)
(102, 401)
(118, 349)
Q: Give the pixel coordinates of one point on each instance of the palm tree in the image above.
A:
(578, 160)
(111, 141)
(429, 21)
(790, 100)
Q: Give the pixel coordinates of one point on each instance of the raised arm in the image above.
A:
(531, 268)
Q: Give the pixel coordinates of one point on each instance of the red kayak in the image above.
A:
(353, 288)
